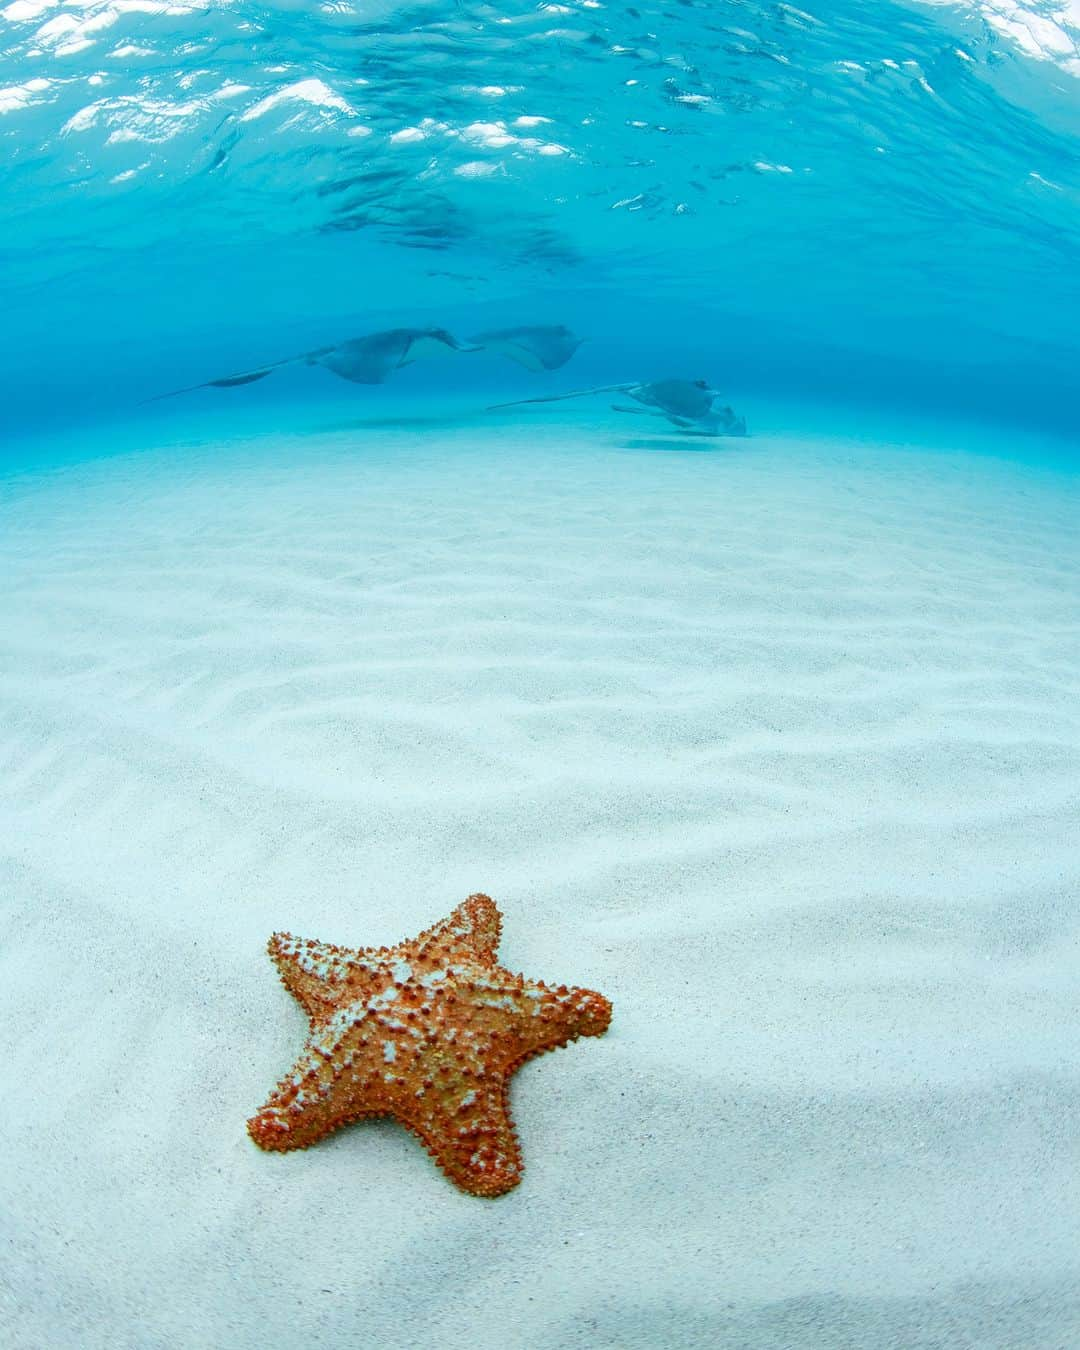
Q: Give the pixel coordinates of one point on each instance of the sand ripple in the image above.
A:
(779, 748)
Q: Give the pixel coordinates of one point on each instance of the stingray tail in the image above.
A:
(226, 382)
(558, 398)
(245, 377)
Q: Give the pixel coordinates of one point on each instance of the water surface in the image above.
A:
(857, 203)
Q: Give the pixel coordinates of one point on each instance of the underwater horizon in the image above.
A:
(869, 206)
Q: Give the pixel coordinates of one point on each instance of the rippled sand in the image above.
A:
(776, 744)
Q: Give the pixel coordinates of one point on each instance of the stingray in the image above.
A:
(688, 404)
(536, 348)
(363, 360)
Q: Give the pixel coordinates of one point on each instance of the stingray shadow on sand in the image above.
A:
(672, 445)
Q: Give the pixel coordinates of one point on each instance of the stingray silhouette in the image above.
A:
(363, 360)
(540, 347)
(371, 359)
(689, 405)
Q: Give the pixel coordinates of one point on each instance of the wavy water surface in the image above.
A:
(858, 197)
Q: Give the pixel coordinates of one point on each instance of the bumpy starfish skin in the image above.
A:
(428, 1032)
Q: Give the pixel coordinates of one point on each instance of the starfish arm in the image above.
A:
(542, 1018)
(315, 973)
(464, 1124)
(301, 1108)
(470, 1135)
(470, 932)
(338, 1078)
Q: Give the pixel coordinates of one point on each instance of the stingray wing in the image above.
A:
(679, 398)
(537, 348)
(428, 342)
(370, 359)
(367, 360)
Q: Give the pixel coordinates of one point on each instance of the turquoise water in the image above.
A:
(773, 741)
(854, 205)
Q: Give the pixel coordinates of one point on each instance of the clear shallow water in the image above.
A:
(864, 204)
(782, 727)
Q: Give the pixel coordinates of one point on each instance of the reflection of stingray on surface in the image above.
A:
(363, 360)
(537, 348)
(688, 404)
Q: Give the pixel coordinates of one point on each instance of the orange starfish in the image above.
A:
(428, 1032)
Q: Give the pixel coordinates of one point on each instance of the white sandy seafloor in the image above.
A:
(775, 743)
